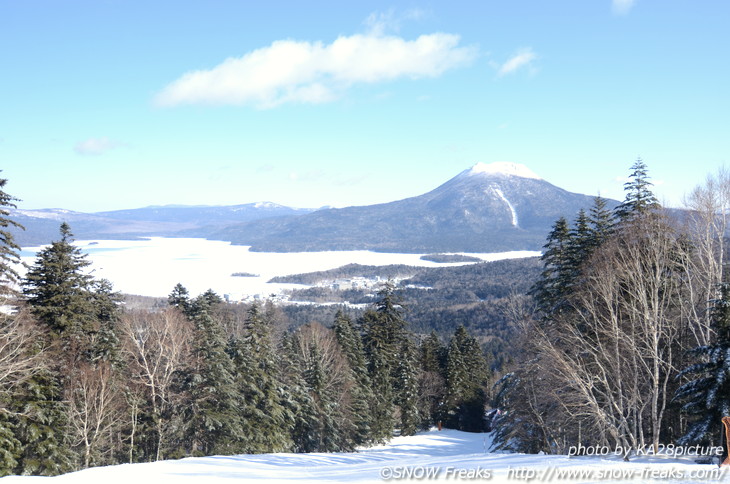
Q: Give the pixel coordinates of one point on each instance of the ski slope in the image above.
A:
(446, 456)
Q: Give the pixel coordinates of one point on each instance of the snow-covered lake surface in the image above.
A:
(152, 267)
(446, 456)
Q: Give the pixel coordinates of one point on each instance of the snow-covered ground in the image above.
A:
(152, 267)
(447, 456)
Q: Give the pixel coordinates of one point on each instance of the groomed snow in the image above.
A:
(446, 456)
(503, 168)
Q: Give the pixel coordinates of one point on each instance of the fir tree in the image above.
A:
(707, 397)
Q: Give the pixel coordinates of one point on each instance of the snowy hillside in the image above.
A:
(449, 456)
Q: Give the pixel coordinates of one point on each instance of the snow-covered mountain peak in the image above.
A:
(503, 168)
(266, 205)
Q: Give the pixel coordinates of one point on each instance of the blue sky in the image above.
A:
(119, 104)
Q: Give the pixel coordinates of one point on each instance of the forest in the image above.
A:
(86, 381)
(618, 335)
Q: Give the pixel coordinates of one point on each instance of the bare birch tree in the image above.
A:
(20, 355)
(95, 410)
(157, 345)
(604, 366)
(709, 206)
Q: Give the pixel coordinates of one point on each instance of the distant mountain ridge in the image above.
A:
(486, 208)
(154, 221)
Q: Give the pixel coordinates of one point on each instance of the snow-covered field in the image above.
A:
(447, 456)
(152, 267)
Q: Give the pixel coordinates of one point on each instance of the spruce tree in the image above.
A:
(213, 418)
(327, 379)
(601, 221)
(407, 385)
(467, 376)
(264, 416)
(433, 354)
(9, 249)
(383, 335)
(60, 294)
(707, 396)
(550, 289)
(298, 404)
(433, 382)
(57, 289)
(10, 446)
(351, 343)
(382, 406)
(180, 298)
(105, 302)
(640, 200)
(43, 426)
(578, 248)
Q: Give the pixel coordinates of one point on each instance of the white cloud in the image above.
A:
(96, 146)
(622, 7)
(378, 23)
(523, 58)
(313, 72)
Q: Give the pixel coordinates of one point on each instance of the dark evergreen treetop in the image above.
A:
(214, 422)
(467, 376)
(9, 250)
(601, 221)
(267, 419)
(433, 354)
(180, 298)
(384, 327)
(554, 279)
(580, 244)
(640, 200)
(351, 343)
(58, 289)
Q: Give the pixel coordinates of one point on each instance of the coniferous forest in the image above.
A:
(622, 341)
(86, 382)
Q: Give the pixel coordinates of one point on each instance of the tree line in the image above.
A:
(624, 337)
(86, 382)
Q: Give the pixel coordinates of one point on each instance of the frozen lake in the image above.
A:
(152, 267)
